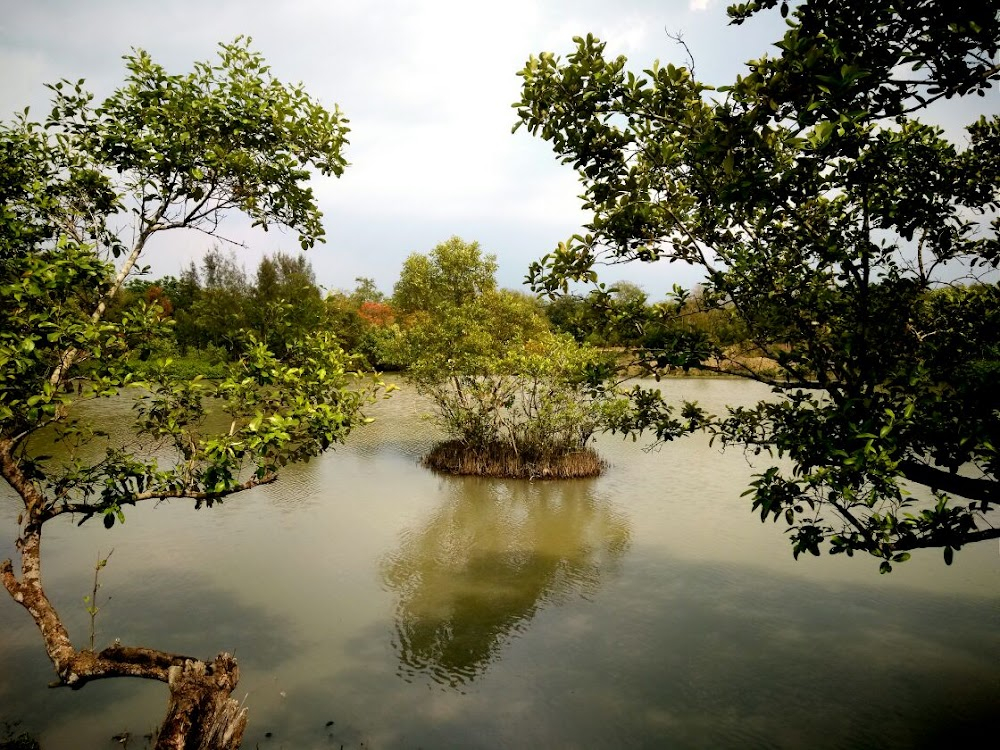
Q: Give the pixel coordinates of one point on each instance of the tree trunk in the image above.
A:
(201, 715)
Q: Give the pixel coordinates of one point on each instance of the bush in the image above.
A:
(529, 410)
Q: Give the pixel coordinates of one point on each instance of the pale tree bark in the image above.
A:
(69, 356)
(201, 714)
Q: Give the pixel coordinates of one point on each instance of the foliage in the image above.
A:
(366, 291)
(488, 392)
(453, 272)
(833, 225)
(622, 316)
(462, 335)
(538, 401)
(571, 314)
(605, 317)
(211, 362)
(93, 182)
(212, 310)
(503, 383)
(377, 313)
(365, 324)
(384, 348)
(286, 304)
(221, 306)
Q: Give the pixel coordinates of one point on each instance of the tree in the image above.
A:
(365, 325)
(571, 314)
(451, 273)
(93, 183)
(218, 315)
(514, 398)
(528, 410)
(286, 304)
(623, 308)
(836, 227)
(184, 293)
(366, 291)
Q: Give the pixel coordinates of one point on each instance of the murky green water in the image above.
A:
(646, 608)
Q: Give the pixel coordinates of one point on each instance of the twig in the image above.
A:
(91, 601)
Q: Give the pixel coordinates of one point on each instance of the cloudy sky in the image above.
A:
(427, 86)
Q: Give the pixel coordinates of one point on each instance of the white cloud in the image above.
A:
(427, 87)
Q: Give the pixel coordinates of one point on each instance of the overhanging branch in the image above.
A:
(89, 511)
(986, 490)
(939, 540)
(200, 712)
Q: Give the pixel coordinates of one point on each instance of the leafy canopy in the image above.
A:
(453, 272)
(848, 237)
(162, 152)
(95, 183)
(500, 380)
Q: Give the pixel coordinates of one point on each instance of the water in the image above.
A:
(645, 608)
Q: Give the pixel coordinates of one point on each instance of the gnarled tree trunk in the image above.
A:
(201, 714)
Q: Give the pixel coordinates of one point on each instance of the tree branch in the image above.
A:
(986, 490)
(939, 540)
(70, 355)
(89, 511)
(200, 711)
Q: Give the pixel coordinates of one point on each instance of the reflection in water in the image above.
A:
(701, 621)
(487, 560)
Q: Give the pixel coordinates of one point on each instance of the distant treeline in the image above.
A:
(216, 306)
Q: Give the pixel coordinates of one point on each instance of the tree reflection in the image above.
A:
(491, 556)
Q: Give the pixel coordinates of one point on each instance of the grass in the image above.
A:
(502, 461)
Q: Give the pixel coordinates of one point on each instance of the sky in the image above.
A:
(428, 88)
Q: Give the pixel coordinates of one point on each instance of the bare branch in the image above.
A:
(678, 38)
